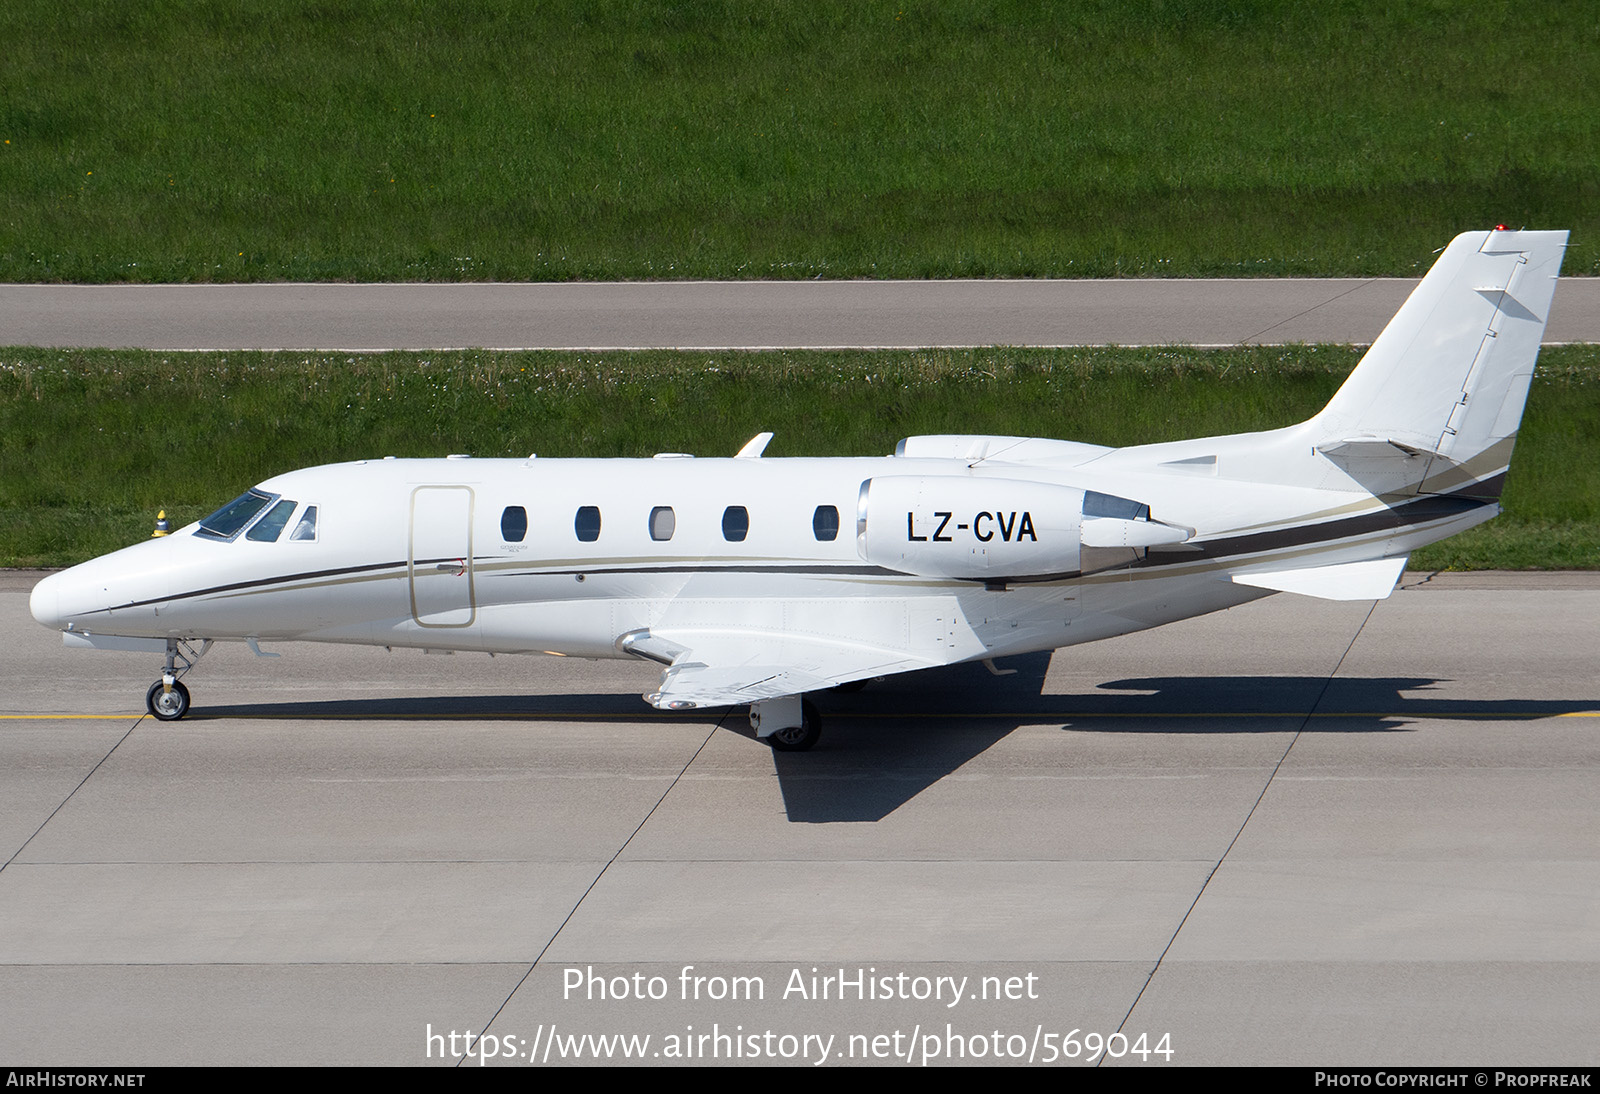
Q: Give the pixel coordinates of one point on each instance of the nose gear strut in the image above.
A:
(167, 698)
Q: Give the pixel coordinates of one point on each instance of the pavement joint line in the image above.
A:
(1253, 339)
(62, 804)
(551, 941)
(1200, 894)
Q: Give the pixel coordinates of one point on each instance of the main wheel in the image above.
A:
(801, 737)
(166, 705)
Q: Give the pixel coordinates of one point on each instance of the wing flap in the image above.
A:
(732, 667)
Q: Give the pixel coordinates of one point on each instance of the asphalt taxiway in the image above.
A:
(731, 315)
(1293, 832)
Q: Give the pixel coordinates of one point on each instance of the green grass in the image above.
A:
(351, 139)
(93, 443)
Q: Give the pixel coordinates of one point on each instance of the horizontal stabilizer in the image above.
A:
(1371, 580)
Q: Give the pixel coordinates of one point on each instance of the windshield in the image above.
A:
(226, 522)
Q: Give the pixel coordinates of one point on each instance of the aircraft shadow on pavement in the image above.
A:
(883, 745)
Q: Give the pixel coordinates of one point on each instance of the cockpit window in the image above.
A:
(226, 522)
(306, 530)
(270, 527)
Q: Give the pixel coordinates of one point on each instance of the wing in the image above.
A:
(724, 667)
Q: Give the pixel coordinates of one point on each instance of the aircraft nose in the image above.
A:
(45, 602)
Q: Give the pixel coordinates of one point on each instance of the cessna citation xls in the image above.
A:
(755, 581)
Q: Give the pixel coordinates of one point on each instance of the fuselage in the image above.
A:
(565, 556)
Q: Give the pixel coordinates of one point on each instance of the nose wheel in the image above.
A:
(168, 702)
(167, 698)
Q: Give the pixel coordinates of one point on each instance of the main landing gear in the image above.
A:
(803, 730)
(167, 698)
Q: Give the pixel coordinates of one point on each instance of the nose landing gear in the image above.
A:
(167, 698)
(167, 701)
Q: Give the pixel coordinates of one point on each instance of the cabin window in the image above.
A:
(587, 524)
(825, 523)
(735, 523)
(513, 524)
(270, 527)
(306, 530)
(227, 522)
(662, 523)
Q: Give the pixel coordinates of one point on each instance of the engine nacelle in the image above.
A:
(960, 527)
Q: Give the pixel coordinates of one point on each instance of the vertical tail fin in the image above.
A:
(1449, 375)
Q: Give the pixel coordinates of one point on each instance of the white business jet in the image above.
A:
(757, 581)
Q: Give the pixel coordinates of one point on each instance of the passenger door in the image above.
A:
(441, 556)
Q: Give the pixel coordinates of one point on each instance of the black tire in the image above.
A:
(168, 706)
(800, 737)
